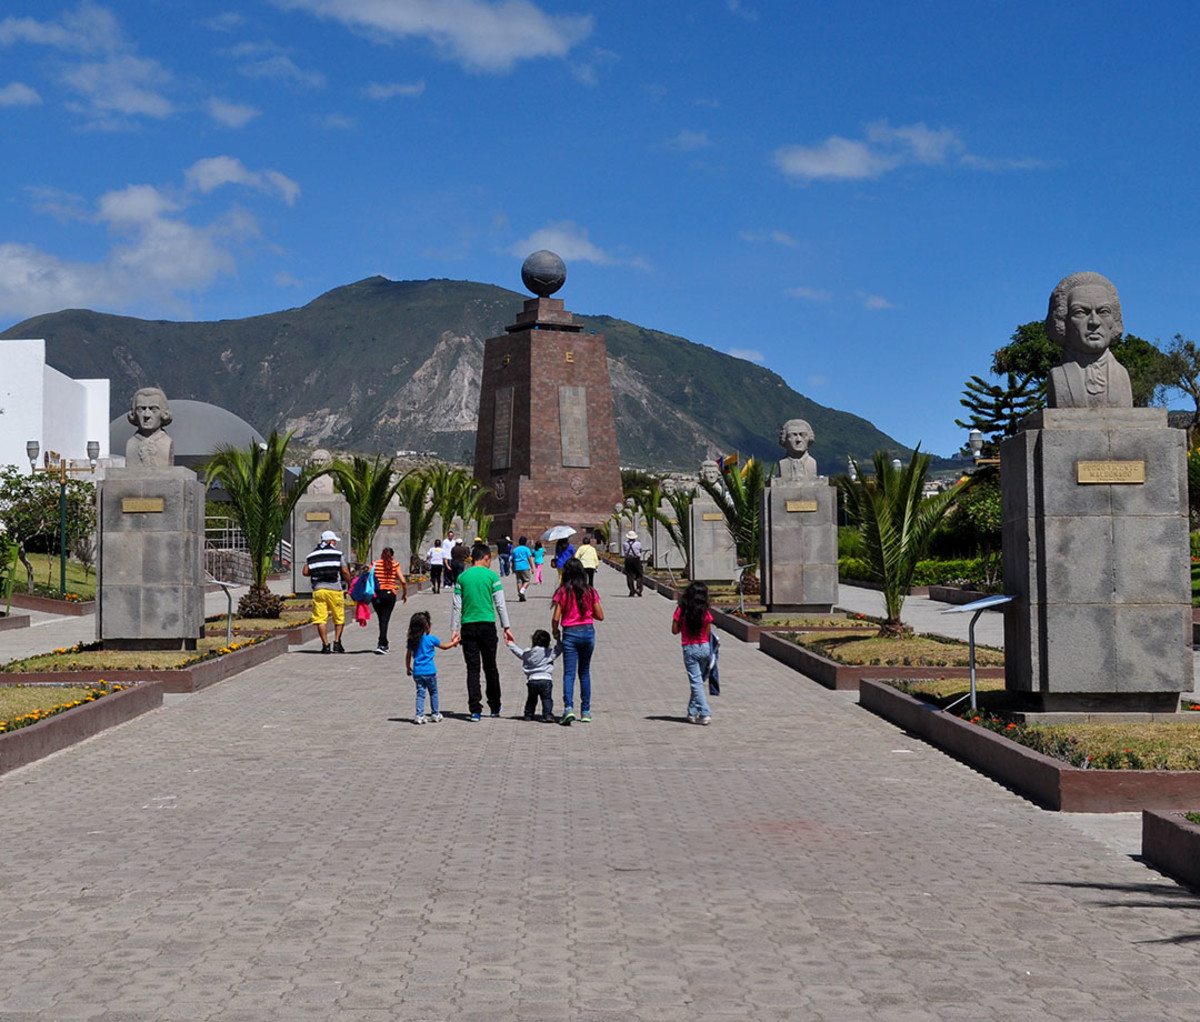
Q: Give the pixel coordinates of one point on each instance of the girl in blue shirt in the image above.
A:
(418, 663)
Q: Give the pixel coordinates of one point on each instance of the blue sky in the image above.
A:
(865, 197)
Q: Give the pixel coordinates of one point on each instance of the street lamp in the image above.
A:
(896, 464)
(851, 469)
(62, 468)
(975, 443)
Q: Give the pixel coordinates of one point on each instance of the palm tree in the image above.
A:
(650, 498)
(895, 522)
(253, 478)
(413, 494)
(368, 487)
(740, 501)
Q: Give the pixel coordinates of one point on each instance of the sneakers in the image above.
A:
(325, 648)
(693, 719)
(435, 719)
(418, 720)
(520, 597)
(380, 650)
(585, 717)
(566, 718)
(496, 712)
(338, 647)
(474, 718)
(705, 721)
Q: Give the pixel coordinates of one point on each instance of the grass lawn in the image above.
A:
(113, 660)
(46, 572)
(16, 701)
(917, 650)
(290, 618)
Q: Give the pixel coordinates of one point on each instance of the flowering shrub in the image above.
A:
(100, 690)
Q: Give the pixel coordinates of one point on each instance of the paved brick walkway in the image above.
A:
(286, 845)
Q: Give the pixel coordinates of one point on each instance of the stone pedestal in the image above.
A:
(1095, 534)
(666, 552)
(313, 514)
(798, 564)
(150, 559)
(393, 531)
(714, 555)
(546, 446)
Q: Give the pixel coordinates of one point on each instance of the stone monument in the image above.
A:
(1095, 530)
(667, 554)
(714, 553)
(318, 509)
(798, 560)
(546, 446)
(150, 547)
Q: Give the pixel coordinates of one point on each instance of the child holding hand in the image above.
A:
(538, 663)
(418, 663)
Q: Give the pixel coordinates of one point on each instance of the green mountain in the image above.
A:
(383, 365)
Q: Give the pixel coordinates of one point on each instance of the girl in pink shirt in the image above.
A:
(692, 623)
(576, 608)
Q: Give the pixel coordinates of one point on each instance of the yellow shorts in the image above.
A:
(326, 602)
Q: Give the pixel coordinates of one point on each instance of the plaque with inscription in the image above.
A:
(142, 505)
(389, 521)
(502, 417)
(712, 516)
(1127, 472)
(573, 425)
(316, 516)
(801, 505)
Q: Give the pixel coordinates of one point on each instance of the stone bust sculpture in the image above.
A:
(150, 446)
(795, 436)
(1084, 319)
(711, 471)
(321, 459)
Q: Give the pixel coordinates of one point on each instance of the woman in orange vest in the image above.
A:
(387, 576)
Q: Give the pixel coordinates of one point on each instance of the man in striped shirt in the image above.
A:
(326, 568)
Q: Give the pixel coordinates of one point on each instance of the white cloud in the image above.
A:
(381, 90)
(231, 115)
(567, 239)
(337, 122)
(285, 279)
(479, 35)
(749, 354)
(158, 255)
(776, 237)
(226, 22)
(87, 29)
(213, 172)
(812, 294)
(282, 68)
(688, 141)
(19, 94)
(122, 84)
(587, 71)
(877, 302)
(886, 148)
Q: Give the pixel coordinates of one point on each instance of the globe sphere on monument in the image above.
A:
(543, 273)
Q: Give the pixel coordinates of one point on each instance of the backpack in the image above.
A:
(362, 589)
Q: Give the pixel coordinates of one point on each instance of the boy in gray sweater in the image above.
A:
(538, 662)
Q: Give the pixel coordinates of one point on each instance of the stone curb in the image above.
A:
(48, 606)
(1171, 843)
(25, 745)
(847, 677)
(1050, 783)
(11, 621)
(180, 680)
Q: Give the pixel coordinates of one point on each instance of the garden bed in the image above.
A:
(25, 745)
(296, 625)
(847, 677)
(1171, 843)
(191, 678)
(1049, 782)
(49, 605)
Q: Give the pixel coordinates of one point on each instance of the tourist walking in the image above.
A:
(539, 558)
(458, 560)
(418, 664)
(326, 569)
(692, 622)
(478, 600)
(387, 576)
(588, 558)
(522, 562)
(437, 563)
(504, 552)
(538, 663)
(576, 609)
(564, 550)
(633, 563)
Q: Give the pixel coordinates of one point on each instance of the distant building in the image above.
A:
(37, 402)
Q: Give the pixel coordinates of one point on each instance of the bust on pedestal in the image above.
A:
(1095, 530)
(799, 530)
(713, 552)
(150, 551)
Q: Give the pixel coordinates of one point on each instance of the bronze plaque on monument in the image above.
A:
(142, 505)
(572, 418)
(800, 505)
(502, 429)
(1110, 472)
(316, 516)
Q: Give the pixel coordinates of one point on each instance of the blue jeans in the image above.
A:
(695, 660)
(426, 682)
(578, 643)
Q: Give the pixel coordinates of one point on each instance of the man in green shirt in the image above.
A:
(478, 598)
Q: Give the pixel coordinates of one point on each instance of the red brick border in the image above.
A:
(11, 621)
(1171, 843)
(46, 605)
(1048, 782)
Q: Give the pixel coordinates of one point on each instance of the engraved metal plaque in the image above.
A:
(800, 505)
(502, 417)
(712, 516)
(573, 426)
(316, 516)
(389, 521)
(142, 505)
(1132, 472)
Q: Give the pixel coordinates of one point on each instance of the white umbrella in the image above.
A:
(557, 532)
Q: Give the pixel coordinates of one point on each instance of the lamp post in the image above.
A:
(975, 443)
(62, 468)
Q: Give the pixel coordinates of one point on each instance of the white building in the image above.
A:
(39, 403)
